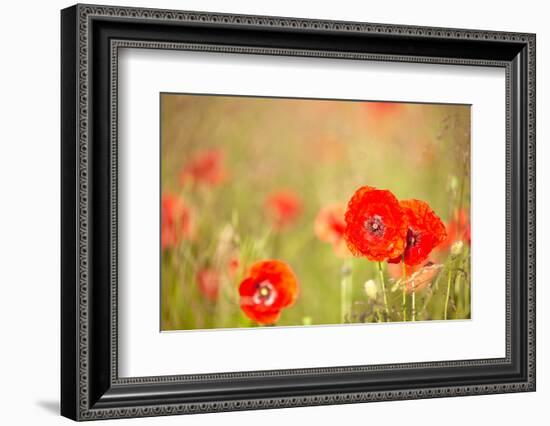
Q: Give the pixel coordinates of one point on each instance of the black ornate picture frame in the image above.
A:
(91, 37)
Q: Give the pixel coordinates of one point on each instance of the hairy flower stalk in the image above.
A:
(404, 301)
(456, 250)
(413, 302)
(458, 284)
(448, 293)
(384, 291)
(345, 291)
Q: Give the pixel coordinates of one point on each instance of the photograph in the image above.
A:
(303, 212)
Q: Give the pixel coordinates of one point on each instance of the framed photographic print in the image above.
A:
(263, 212)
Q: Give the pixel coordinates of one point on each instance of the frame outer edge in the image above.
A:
(81, 340)
(82, 60)
(531, 200)
(68, 183)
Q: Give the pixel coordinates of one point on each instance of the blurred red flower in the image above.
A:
(425, 232)
(208, 281)
(330, 227)
(175, 221)
(283, 207)
(205, 167)
(458, 229)
(233, 265)
(269, 287)
(376, 226)
(383, 109)
(326, 149)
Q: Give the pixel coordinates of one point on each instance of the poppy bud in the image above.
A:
(371, 289)
(457, 247)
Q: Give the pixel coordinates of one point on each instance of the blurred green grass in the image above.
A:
(323, 151)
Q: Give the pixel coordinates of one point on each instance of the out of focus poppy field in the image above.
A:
(297, 212)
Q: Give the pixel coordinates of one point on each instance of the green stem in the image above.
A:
(384, 291)
(458, 290)
(404, 301)
(448, 294)
(413, 297)
(377, 313)
(467, 284)
(345, 290)
(413, 302)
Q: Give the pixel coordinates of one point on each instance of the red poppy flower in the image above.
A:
(458, 228)
(208, 281)
(175, 221)
(269, 287)
(284, 207)
(376, 226)
(425, 232)
(330, 227)
(205, 167)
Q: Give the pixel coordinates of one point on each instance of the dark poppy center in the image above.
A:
(374, 225)
(412, 237)
(265, 294)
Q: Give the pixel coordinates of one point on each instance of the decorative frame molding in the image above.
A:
(91, 38)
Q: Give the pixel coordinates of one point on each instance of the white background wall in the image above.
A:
(29, 212)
